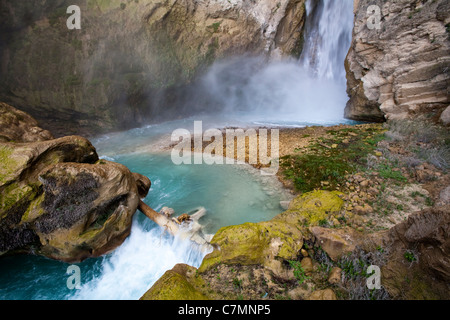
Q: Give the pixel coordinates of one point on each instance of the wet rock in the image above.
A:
(59, 200)
(175, 284)
(86, 209)
(186, 37)
(143, 184)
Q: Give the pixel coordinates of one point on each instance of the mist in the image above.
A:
(309, 89)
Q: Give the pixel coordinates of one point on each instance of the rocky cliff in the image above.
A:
(130, 57)
(401, 69)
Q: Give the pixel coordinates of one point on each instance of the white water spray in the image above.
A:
(309, 90)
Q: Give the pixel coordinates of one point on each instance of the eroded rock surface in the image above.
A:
(59, 200)
(401, 69)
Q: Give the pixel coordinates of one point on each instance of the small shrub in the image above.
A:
(410, 256)
(299, 273)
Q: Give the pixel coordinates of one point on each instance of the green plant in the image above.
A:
(299, 272)
(387, 171)
(330, 158)
(237, 283)
(409, 255)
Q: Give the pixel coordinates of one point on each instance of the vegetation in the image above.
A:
(331, 158)
(299, 273)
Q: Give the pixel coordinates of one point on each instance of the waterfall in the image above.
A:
(310, 90)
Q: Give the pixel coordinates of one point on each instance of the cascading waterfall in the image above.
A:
(311, 90)
(328, 36)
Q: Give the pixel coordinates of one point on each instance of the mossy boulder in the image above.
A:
(281, 238)
(59, 200)
(311, 208)
(254, 243)
(176, 284)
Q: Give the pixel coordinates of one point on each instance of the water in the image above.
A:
(238, 92)
(309, 90)
(329, 27)
(230, 194)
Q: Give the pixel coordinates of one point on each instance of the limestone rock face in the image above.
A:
(125, 64)
(59, 200)
(400, 70)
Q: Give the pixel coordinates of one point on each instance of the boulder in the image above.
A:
(254, 243)
(425, 234)
(312, 207)
(58, 199)
(143, 184)
(445, 116)
(335, 242)
(85, 210)
(175, 284)
(326, 294)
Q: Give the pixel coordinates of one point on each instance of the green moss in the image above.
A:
(312, 208)
(34, 210)
(253, 243)
(331, 158)
(173, 286)
(7, 163)
(14, 194)
(215, 26)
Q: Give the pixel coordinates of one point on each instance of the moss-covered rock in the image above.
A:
(311, 208)
(57, 199)
(281, 238)
(254, 243)
(176, 284)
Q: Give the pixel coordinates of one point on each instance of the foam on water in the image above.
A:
(138, 263)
